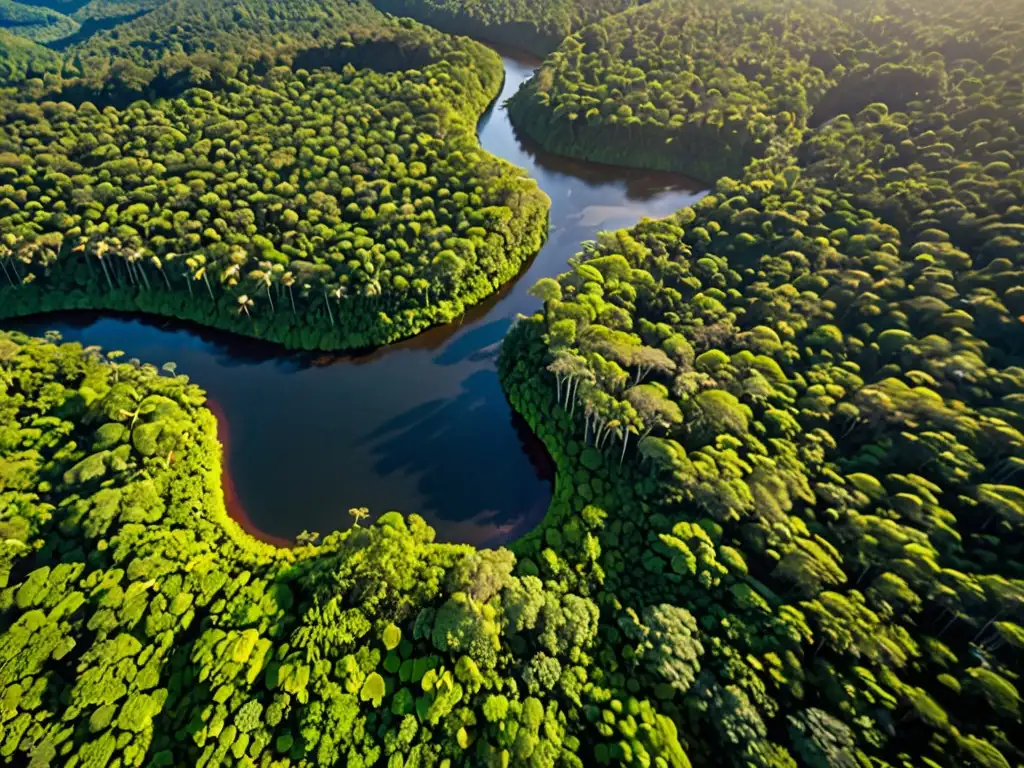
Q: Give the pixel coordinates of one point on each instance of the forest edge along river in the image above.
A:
(419, 426)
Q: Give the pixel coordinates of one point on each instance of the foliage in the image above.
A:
(786, 421)
(41, 25)
(21, 59)
(702, 87)
(536, 26)
(139, 624)
(332, 209)
(793, 405)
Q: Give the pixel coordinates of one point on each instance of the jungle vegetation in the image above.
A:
(142, 627)
(40, 25)
(535, 26)
(325, 208)
(788, 424)
(21, 59)
(807, 387)
(60, 24)
(700, 87)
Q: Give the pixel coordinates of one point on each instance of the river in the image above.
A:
(420, 426)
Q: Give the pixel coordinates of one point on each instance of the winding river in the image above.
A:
(420, 426)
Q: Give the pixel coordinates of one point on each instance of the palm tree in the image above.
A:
(627, 428)
(83, 243)
(288, 280)
(170, 367)
(200, 261)
(5, 254)
(134, 259)
(245, 304)
(589, 412)
(14, 256)
(114, 246)
(187, 268)
(26, 255)
(422, 286)
(99, 250)
(340, 292)
(112, 357)
(230, 275)
(265, 277)
(359, 513)
(36, 254)
(159, 266)
(606, 429)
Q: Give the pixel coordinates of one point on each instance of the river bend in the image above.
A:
(420, 426)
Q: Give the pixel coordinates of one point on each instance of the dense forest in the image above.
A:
(788, 421)
(698, 87)
(816, 370)
(41, 25)
(20, 59)
(332, 208)
(535, 26)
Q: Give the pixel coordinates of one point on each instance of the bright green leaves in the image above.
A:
(373, 689)
(88, 469)
(391, 636)
(1006, 501)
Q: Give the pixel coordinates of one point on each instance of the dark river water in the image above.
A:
(420, 426)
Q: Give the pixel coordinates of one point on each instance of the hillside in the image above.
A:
(21, 59)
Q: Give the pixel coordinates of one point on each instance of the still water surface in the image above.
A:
(420, 426)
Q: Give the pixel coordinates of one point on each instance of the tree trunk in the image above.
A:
(987, 625)
(863, 574)
(625, 442)
(948, 624)
(327, 301)
(106, 274)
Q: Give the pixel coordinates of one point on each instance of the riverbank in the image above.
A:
(422, 425)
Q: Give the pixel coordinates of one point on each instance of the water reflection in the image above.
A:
(420, 426)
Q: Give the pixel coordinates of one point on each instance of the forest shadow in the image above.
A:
(461, 492)
(476, 345)
(640, 185)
